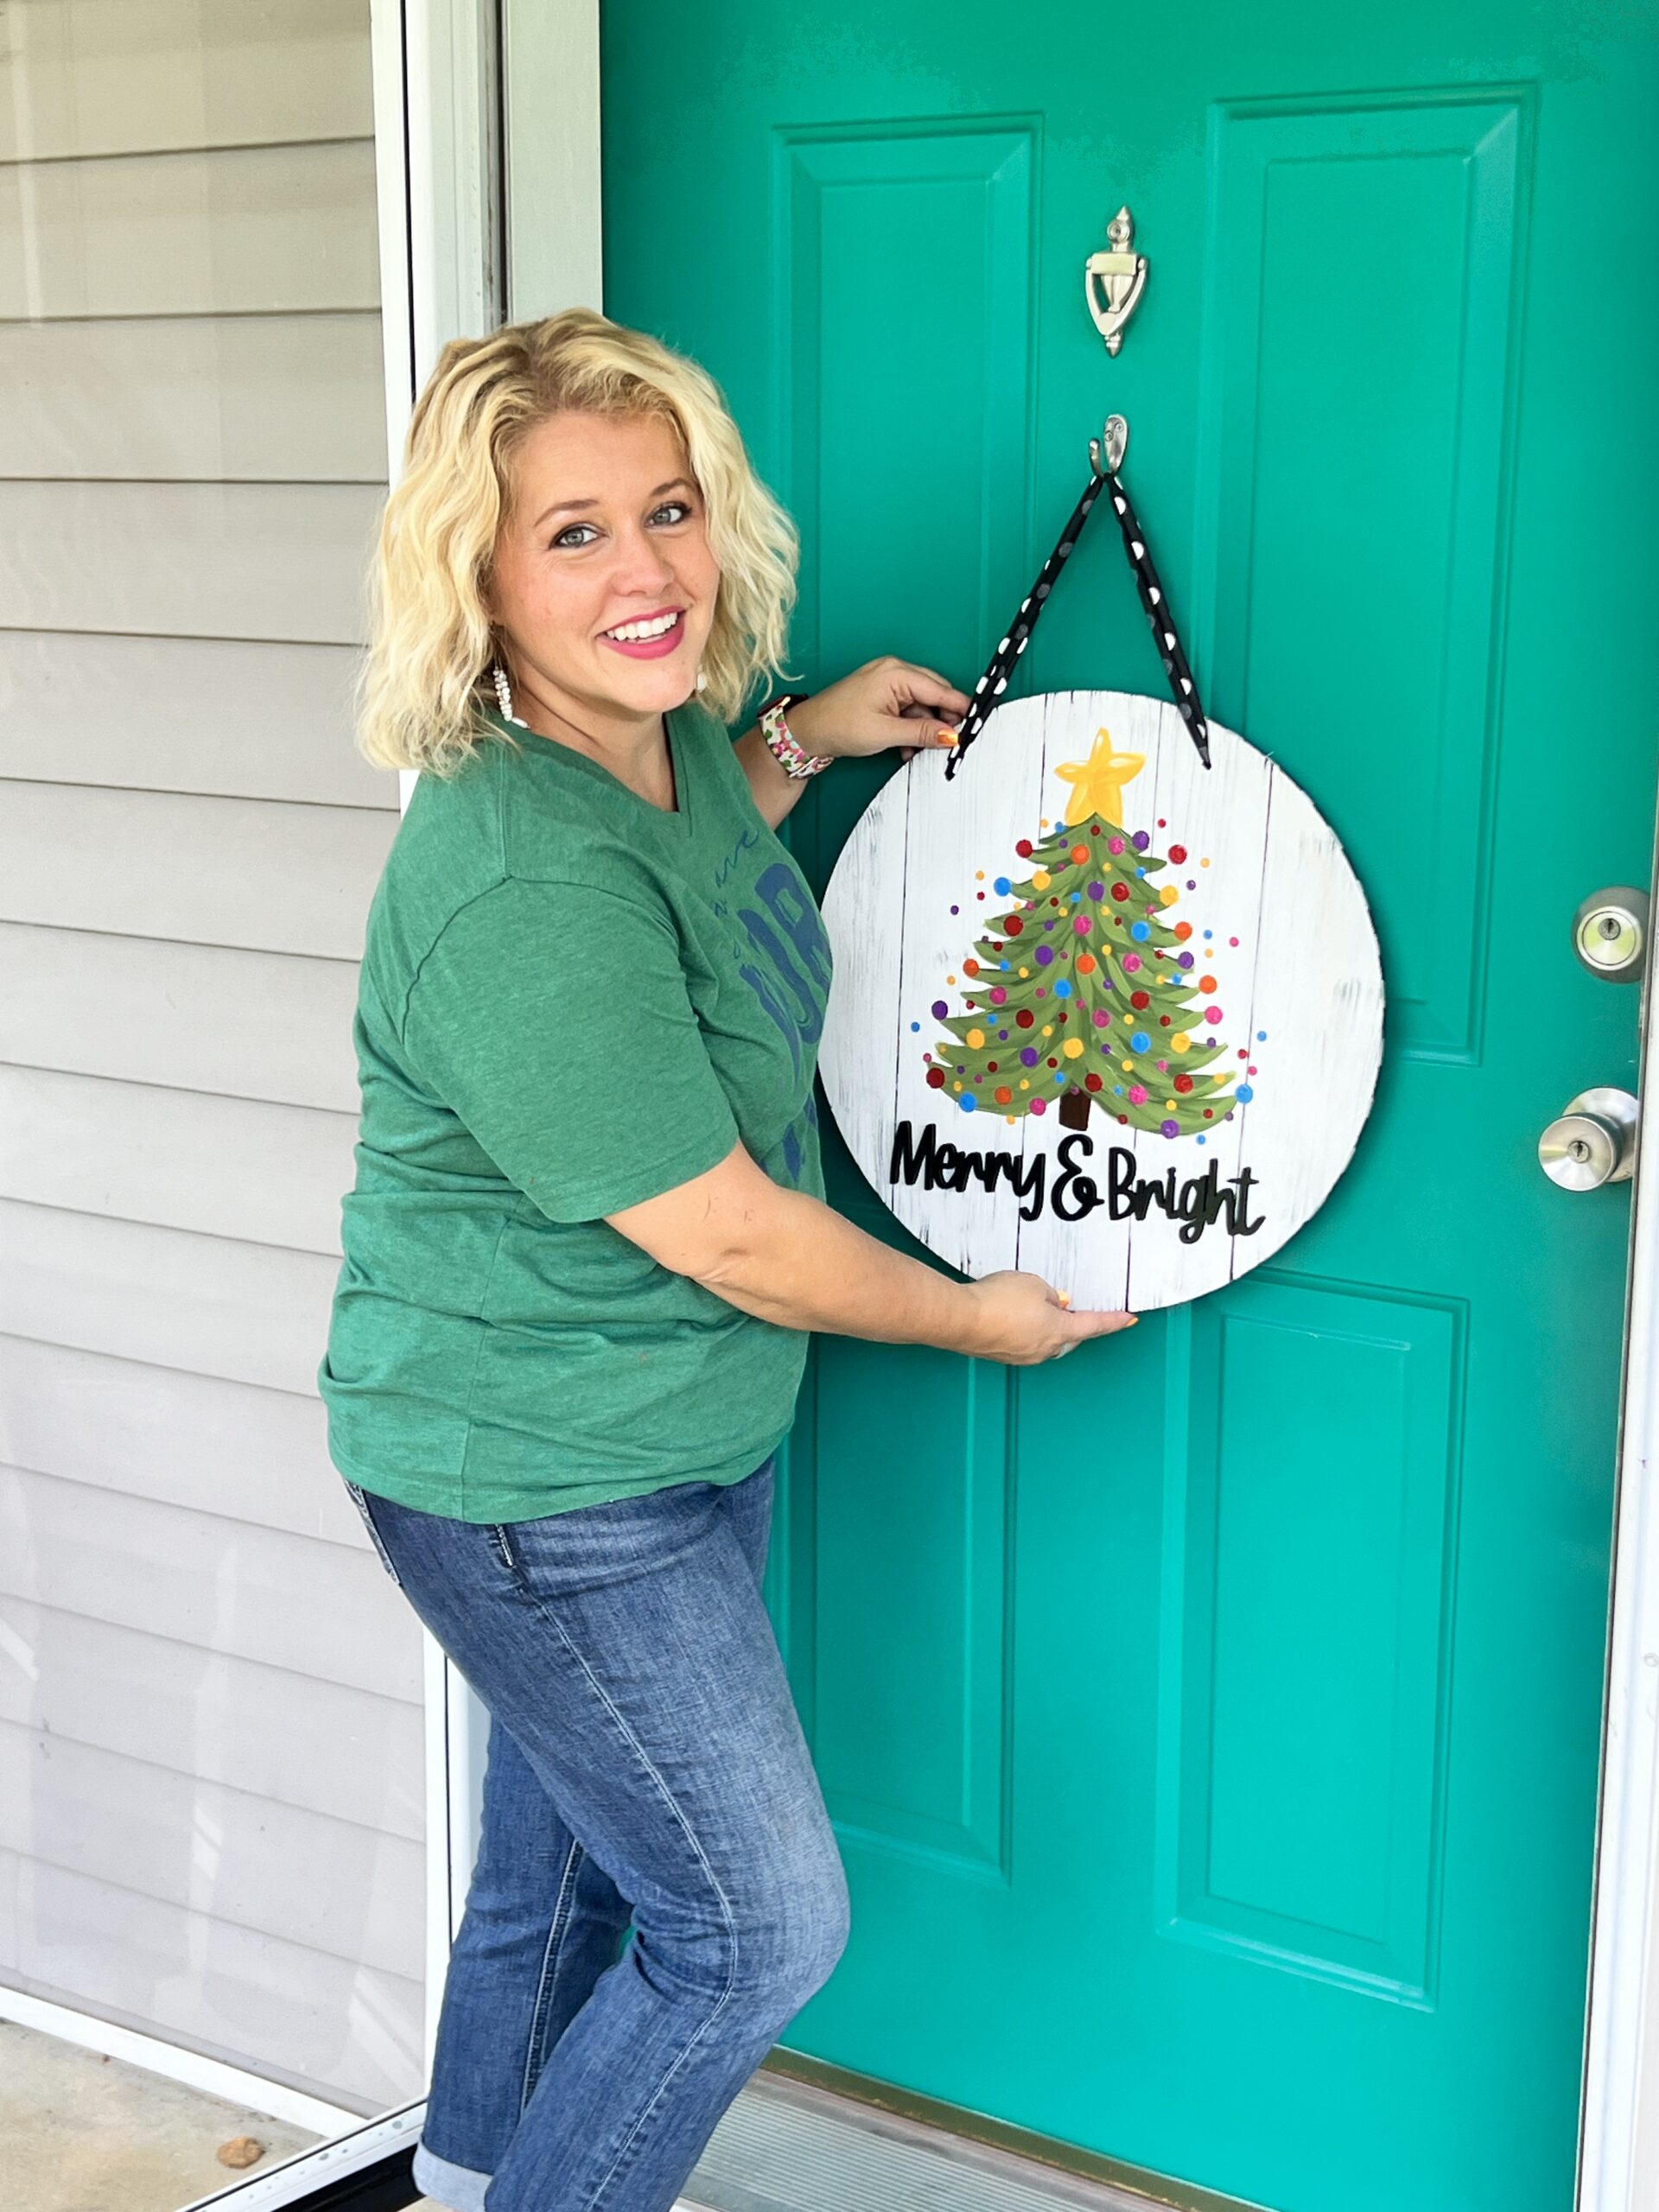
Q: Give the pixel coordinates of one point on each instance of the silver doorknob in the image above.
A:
(1592, 1142)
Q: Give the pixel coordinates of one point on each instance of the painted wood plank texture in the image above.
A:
(148, 714)
(196, 1017)
(274, 560)
(318, 1746)
(1274, 932)
(144, 1152)
(250, 230)
(248, 1312)
(81, 76)
(237, 399)
(215, 871)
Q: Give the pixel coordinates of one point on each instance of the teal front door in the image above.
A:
(1211, 1721)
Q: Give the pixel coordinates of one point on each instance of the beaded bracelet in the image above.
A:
(792, 757)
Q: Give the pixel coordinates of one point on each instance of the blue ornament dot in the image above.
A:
(1139, 930)
(1208, 932)
(1002, 886)
(1141, 1042)
(1062, 990)
(1244, 1094)
(914, 1026)
(1261, 1036)
(969, 1102)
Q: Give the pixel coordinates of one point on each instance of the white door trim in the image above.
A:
(1619, 2118)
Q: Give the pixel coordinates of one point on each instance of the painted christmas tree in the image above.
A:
(1082, 991)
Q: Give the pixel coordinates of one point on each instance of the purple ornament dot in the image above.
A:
(1191, 883)
(940, 1009)
(1170, 1128)
(1027, 1058)
(1141, 840)
(955, 910)
(1184, 960)
(1096, 890)
(1045, 954)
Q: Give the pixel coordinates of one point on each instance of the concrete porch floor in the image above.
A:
(80, 2133)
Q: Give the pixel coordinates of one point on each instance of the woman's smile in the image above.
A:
(648, 637)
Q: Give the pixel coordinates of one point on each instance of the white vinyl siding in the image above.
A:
(210, 1784)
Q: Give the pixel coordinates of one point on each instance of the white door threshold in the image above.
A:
(791, 2146)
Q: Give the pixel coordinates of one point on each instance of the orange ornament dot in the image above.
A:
(1183, 930)
(1079, 852)
(1206, 982)
(1086, 964)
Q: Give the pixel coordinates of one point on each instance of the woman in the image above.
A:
(587, 1238)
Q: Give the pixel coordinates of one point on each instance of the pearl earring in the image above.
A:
(504, 697)
(702, 681)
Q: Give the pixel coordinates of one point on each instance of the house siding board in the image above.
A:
(155, 714)
(197, 1640)
(194, 1017)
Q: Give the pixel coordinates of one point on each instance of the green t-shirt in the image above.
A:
(570, 999)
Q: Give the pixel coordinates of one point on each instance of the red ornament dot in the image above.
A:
(1025, 1018)
(1183, 1083)
(1208, 1115)
(1177, 852)
(936, 1078)
(1091, 1083)
(1094, 830)
(1163, 1020)
(1054, 1064)
(1124, 1119)
(1140, 998)
(1120, 890)
(1013, 925)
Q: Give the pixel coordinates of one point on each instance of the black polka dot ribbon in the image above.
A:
(989, 690)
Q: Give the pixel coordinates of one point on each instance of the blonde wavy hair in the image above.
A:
(431, 642)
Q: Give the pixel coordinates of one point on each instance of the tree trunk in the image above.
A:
(1074, 1109)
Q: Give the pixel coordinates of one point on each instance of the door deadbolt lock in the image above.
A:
(1592, 1142)
(1609, 933)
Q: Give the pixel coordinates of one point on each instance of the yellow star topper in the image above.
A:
(1099, 785)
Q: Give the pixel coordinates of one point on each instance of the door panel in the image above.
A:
(1211, 1721)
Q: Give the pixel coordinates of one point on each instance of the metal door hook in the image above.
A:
(1106, 455)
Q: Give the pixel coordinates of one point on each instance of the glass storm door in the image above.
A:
(1211, 1721)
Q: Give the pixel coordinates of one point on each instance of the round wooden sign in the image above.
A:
(1098, 1011)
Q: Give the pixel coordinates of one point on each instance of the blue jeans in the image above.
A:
(646, 1762)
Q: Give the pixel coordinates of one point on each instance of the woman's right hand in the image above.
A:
(1021, 1321)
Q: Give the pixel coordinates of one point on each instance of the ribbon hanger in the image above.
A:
(1105, 460)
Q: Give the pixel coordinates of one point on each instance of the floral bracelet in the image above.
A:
(793, 759)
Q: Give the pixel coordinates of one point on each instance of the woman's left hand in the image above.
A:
(879, 705)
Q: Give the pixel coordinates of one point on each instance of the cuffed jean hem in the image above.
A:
(459, 2187)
